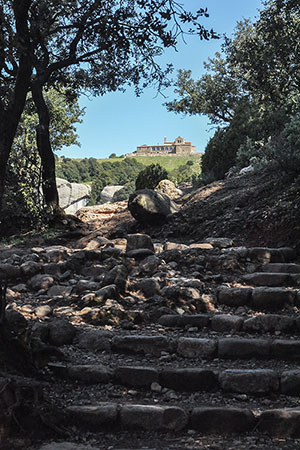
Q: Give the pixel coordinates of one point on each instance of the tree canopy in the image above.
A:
(95, 45)
(252, 89)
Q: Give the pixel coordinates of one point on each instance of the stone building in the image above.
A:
(179, 147)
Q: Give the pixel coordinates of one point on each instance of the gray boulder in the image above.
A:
(149, 206)
(72, 196)
(108, 192)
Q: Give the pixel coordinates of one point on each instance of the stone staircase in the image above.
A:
(198, 369)
(214, 373)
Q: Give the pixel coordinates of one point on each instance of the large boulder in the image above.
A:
(168, 187)
(108, 192)
(149, 206)
(72, 196)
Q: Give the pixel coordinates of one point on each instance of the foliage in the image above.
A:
(125, 192)
(251, 91)
(23, 202)
(185, 173)
(282, 152)
(266, 57)
(112, 173)
(215, 94)
(81, 45)
(150, 177)
(112, 155)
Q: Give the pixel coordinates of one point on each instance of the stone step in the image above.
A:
(262, 323)
(266, 255)
(206, 348)
(189, 379)
(206, 419)
(260, 298)
(280, 268)
(272, 279)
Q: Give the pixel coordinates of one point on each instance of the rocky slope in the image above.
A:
(179, 341)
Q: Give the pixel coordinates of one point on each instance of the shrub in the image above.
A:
(249, 152)
(23, 208)
(150, 177)
(125, 192)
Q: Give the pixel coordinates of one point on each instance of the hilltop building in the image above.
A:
(179, 147)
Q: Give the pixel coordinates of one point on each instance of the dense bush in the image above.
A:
(125, 192)
(23, 206)
(150, 177)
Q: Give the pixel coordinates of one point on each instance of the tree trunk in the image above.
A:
(44, 148)
(10, 115)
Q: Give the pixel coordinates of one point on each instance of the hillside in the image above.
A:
(256, 209)
(250, 209)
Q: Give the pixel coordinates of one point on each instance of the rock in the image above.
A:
(142, 344)
(174, 246)
(257, 381)
(108, 192)
(234, 296)
(282, 423)
(267, 279)
(269, 323)
(186, 379)
(168, 187)
(89, 374)
(285, 349)
(149, 265)
(31, 268)
(16, 321)
(95, 340)
(61, 332)
(243, 348)
(219, 242)
(148, 206)
(117, 276)
(9, 271)
(153, 418)
(222, 420)
(246, 170)
(272, 297)
(148, 286)
(92, 417)
(43, 311)
(40, 281)
(196, 347)
(290, 382)
(138, 241)
(136, 376)
(59, 291)
(106, 292)
(86, 285)
(110, 313)
(93, 241)
(72, 196)
(225, 322)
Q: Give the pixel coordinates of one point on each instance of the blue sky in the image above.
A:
(119, 122)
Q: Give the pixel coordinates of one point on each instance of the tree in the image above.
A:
(149, 177)
(215, 94)
(81, 44)
(266, 57)
(251, 91)
(22, 197)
